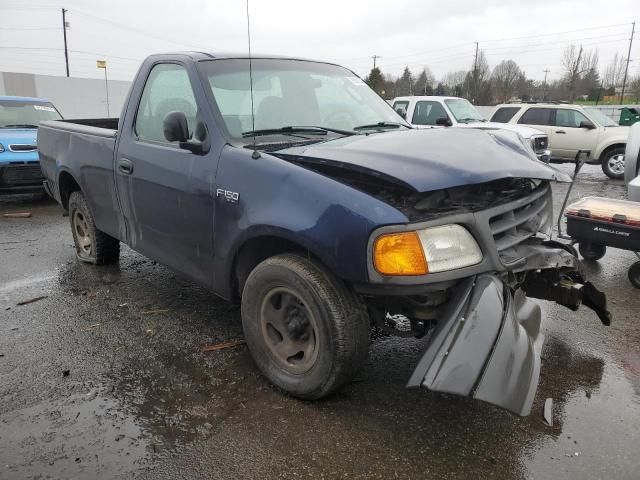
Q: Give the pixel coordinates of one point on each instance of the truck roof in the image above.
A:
(198, 55)
(12, 98)
(426, 97)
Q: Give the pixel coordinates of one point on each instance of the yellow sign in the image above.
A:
(101, 63)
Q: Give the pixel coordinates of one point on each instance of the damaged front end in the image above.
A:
(484, 331)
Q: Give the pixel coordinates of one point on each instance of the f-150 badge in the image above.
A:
(228, 195)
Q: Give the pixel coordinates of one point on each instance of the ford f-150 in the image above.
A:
(294, 188)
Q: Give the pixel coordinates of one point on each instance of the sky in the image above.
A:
(417, 33)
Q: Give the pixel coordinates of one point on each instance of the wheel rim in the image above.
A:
(616, 163)
(81, 227)
(290, 330)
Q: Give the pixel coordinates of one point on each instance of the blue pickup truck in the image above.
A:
(292, 187)
(19, 118)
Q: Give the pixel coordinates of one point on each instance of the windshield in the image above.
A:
(294, 93)
(600, 117)
(25, 114)
(463, 111)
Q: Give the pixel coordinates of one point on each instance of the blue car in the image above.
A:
(19, 164)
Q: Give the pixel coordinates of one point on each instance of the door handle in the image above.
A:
(125, 166)
(561, 132)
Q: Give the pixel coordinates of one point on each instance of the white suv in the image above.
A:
(572, 128)
(434, 111)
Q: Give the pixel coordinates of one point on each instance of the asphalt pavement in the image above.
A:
(106, 378)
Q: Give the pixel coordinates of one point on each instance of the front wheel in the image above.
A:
(307, 332)
(92, 245)
(613, 163)
(634, 274)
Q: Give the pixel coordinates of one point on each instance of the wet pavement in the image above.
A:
(105, 378)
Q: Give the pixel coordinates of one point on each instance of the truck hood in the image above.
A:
(432, 159)
(17, 135)
(526, 132)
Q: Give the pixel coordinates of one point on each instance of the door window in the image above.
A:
(569, 118)
(536, 116)
(504, 114)
(427, 113)
(401, 108)
(168, 89)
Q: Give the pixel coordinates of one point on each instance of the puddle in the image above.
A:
(83, 436)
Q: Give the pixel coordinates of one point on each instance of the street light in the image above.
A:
(103, 64)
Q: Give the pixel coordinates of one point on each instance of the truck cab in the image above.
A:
(19, 165)
(437, 111)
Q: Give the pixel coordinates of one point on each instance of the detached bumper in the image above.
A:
(487, 346)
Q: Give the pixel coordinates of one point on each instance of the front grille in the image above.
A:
(21, 175)
(22, 147)
(523, 219)
(540, 143)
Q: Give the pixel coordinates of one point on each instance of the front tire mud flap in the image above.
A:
(487, 346)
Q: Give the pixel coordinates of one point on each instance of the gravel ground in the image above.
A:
(105, 378)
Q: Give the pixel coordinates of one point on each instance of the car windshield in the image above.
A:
(25, 114)
(295, 93)
(600, 117)
(463, 111)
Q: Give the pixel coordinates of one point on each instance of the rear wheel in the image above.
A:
(306, 331)
(592, 251)
(634, 274)
(613, 163)
(92, 245)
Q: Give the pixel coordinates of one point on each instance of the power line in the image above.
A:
(555, 33)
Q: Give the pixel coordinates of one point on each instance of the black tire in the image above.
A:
(634, 274)
(592, 251)
(92, 245)
(340, 325)
(611, 165)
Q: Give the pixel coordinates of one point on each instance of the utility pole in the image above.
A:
(375, 57)
(626, 70)
(64, 33)
(544, 85)
(103, 64)
(475, 74)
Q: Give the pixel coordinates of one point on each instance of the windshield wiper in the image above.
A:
(469, 119)
(381, 125)
(310, 130)
(20, 125)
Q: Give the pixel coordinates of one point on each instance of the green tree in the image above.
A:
(376, 81)
(404, 84)
(440, 90)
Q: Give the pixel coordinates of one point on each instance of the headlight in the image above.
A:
(431, 250)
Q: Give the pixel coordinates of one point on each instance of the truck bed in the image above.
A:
(85, 147)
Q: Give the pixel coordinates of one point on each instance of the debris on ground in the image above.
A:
(223, 345)
(548, 411)
(17, 215)
(151, 312)
(31, 300)
(66, 373)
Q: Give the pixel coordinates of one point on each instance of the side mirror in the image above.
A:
(587, 124)
(175, 127)
(444, 122)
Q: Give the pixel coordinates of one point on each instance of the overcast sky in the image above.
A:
(438, 34)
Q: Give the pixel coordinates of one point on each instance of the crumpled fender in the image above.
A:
(487, 346)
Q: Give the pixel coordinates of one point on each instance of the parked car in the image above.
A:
(435, 111)
(572, 128)
(19, 166)
(328, 215)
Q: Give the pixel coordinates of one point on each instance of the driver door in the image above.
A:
(567, 137)
(165, 190)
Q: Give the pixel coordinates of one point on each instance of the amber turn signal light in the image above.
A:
(399, 254)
